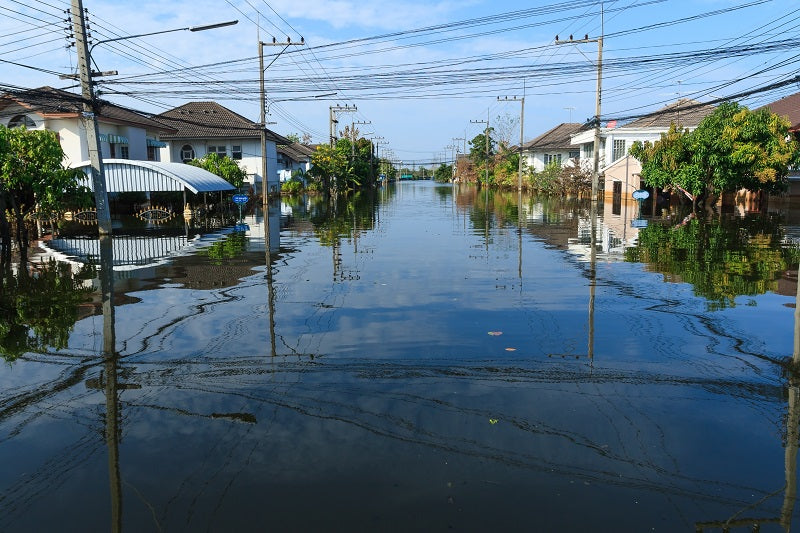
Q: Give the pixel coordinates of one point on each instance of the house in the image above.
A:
(201, 128)
(553, 146)
(293, 157)
(788, 107)
(124, 134)
(616, 141)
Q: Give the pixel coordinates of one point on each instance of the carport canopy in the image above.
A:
(128, 175)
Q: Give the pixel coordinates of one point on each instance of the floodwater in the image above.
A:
(426, 358)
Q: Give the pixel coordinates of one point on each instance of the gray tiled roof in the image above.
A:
(296, 151)
(50, 101)
(557, 138)
(684, 112)
(210, 120)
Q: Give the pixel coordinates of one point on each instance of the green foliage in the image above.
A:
(32, 175)
(506, 168)
(292, 187)
(345, 166)
(731, 149)
(294, 137)
(39, 309)
(224, 167)
(443, 174)
(480, 156)
(721, 258)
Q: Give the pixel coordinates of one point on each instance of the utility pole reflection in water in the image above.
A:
(112, 428)
(270, 286)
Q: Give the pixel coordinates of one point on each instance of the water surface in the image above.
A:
(424, 358)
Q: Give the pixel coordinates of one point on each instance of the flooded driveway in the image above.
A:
(425, 358)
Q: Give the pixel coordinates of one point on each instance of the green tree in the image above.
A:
(443, 174)
(294, 137)
(345, 166)
(223, 166)
(479, 155)
(731, 149)
(33, 178)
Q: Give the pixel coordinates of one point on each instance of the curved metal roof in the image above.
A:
(129, 175)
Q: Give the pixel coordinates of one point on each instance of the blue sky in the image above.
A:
(423, 90)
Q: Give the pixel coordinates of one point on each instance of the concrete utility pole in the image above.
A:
(333, 120)
(598, 100)
(263, 105)
(521, 131)
(486, 135)
(89, 118)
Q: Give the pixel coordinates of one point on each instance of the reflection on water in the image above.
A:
(423, 357)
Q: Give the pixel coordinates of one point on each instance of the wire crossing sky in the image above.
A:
(418, 71)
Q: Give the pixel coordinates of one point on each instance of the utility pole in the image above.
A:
(485, 134)
(521, 131)
(89, 118)
(598, 100)
(263, 105)
(333, 120)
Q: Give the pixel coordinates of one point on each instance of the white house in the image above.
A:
(616, 141)
(552, 146)
(201, 128)
(124, 134)
(293, 157)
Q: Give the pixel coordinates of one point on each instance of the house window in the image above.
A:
(588, 150)
(619, 149)
(21, 120)
(124, 152)
(236, 151)
(219, 150)
(552, 158)
(187, 153)
(152, 153)
(575, 154)
(112, 150)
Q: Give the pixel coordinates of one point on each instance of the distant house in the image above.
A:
(201, 128)
(293, 157)
(616, 141)
(124, 134)
(553, 146)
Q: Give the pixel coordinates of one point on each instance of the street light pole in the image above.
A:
(89, 113)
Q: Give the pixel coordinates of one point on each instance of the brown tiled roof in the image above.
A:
(684, 112)
(789, 107)
(296, 151)
(48, 101)
(207, 120)
(557, 138)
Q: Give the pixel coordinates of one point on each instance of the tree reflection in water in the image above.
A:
(722, 257)
(39, 305)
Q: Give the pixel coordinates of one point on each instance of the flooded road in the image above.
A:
(424, 358)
